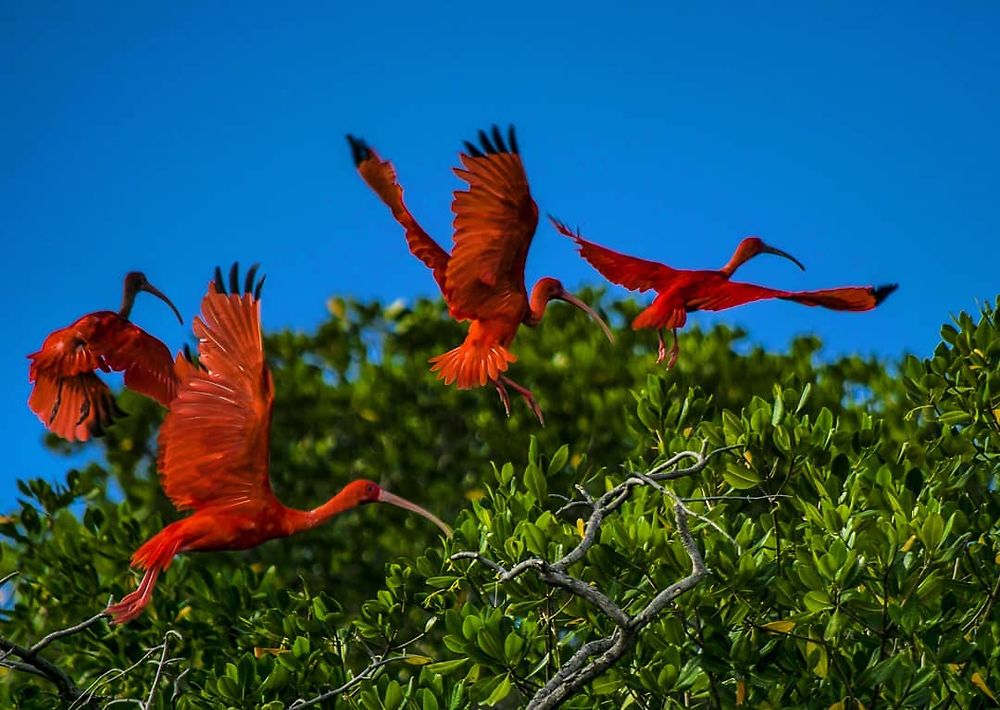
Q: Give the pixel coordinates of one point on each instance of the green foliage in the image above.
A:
(851, 530)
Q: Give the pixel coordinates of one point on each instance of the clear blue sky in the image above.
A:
(173, 137)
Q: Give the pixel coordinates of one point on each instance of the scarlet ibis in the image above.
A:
(681, 291)
(68, 396)
(483, 278)
(214, 446)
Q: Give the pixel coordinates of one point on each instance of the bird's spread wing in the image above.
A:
(70, 399)
(495, 220)
(381, 177)
(631, 272)
(146, 361)
(850, 298)
(214, 442)
(74, 407)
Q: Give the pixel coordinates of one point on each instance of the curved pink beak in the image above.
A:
(150, 288)
(385, 496)
(781, 252)
(570, 298)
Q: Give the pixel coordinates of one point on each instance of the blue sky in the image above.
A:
(172, 137)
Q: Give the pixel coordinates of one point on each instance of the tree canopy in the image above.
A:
(845, 512)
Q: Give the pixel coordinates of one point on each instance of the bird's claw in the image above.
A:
(504, 398)
(674, 353)
(130, 607)
(536, 410)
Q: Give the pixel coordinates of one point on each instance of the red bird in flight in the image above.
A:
(214, 448)
(681, 291)
(69, 397)
(483, 278)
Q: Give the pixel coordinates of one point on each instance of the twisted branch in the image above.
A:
(31, 662)
(595, 657)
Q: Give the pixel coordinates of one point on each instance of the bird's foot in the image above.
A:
(675, 351)
(529, 398)
(661, 352)
(535, 409)
(130, 607)
(504, 398)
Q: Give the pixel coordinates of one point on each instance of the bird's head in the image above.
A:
(136, 281)
(362, 491)
(547, 289)
(754, 246)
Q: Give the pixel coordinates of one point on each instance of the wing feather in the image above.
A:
(145, 360)
(730, 294)
(631, 272)
(215, 440)
(495, 220)
(381, 178)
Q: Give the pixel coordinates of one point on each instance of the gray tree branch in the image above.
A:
(596, 656)
(29, 660)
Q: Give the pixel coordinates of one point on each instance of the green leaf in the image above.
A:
(500, 692)
(559, 459)
(446, 667)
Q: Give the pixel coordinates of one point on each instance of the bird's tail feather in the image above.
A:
(473, 363)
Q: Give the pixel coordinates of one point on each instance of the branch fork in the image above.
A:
(595, 657)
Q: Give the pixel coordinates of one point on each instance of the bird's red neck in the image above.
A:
(350, 496)
(544, 291)
(745, 251)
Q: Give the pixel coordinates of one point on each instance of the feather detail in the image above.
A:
(481, 358)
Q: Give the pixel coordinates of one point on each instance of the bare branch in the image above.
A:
(68, 631)
(159, 669)
(31, 662)
(596, 656)
(369, 671)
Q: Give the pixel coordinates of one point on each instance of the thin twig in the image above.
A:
(159, 669)
(368, 672)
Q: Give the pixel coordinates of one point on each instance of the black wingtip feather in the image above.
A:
(473, 151)
(484, 141)
(248, 281)
(493, 143)
(359, 150)
(234, 281)
(883, 292)
(498, 141)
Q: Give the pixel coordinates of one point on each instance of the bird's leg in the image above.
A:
(133, 603)
(529, 398)
(675, 350)
(661, 353)
(504, 398)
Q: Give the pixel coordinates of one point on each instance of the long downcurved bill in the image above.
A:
(392, 499)
(150, 288)
(570, 298)
(778, 252)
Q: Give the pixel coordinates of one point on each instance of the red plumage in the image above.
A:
(482, 280)
(681, 291)
(68, 397)
(214, 448)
